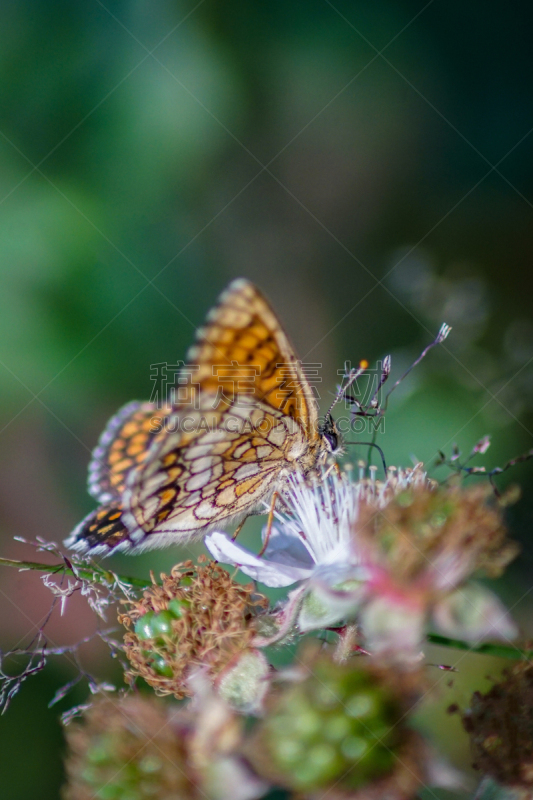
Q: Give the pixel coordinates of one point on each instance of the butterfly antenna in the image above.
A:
(378, 448)
(352, 376)
(385, 372)
(441, 336)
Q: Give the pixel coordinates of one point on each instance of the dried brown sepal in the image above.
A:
(210, 620)
(500, 725)
(427, 525)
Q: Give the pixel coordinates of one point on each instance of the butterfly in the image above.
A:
(248, 421)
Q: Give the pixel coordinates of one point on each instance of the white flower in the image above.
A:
(316, 539)
(315, 545)
(357, 555)
(314, 542)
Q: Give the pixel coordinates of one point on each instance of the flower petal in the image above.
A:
(285, 548)
(473, 612)
(271, 573)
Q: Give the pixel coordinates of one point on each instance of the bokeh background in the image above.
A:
(368, 165)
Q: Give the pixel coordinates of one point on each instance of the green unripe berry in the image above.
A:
(112, 791)
(150, 764)
(143, 626)
(161, 624)
(337, 728)
(338, 725)
(98, 753)
(178, 607)
(154, 626)
(361, 705)
(160, 666)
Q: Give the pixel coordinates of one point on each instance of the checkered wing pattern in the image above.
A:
(243, 350)
(246, 418)
(122, 447)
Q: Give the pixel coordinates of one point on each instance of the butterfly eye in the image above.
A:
(328, 431)
(332, 439)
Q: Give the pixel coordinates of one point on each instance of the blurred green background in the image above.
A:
(368, 165)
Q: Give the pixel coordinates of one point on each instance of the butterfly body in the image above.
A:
(165, 476)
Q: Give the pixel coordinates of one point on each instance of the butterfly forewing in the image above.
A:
(249, 417)
(225, 473)
(243, 350)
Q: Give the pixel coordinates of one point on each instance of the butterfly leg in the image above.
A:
(239, 527)
(270, 520)
(333, 468)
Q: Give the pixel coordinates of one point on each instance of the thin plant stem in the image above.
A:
(486, 648)
(88, 573)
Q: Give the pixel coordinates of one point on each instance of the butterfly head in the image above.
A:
(330, 435)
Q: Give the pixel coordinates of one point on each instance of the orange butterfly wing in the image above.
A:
(243, 350)
(122, 447)
(250, 415)
(248, 387)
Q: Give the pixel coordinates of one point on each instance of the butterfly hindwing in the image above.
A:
(221, 476)
(101, 531)
(122, 447)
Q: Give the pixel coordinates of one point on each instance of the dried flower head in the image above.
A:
(449, 527)
(420, 549)
(500, 724)
(126, 748)
(137, 747)
(197, 617)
